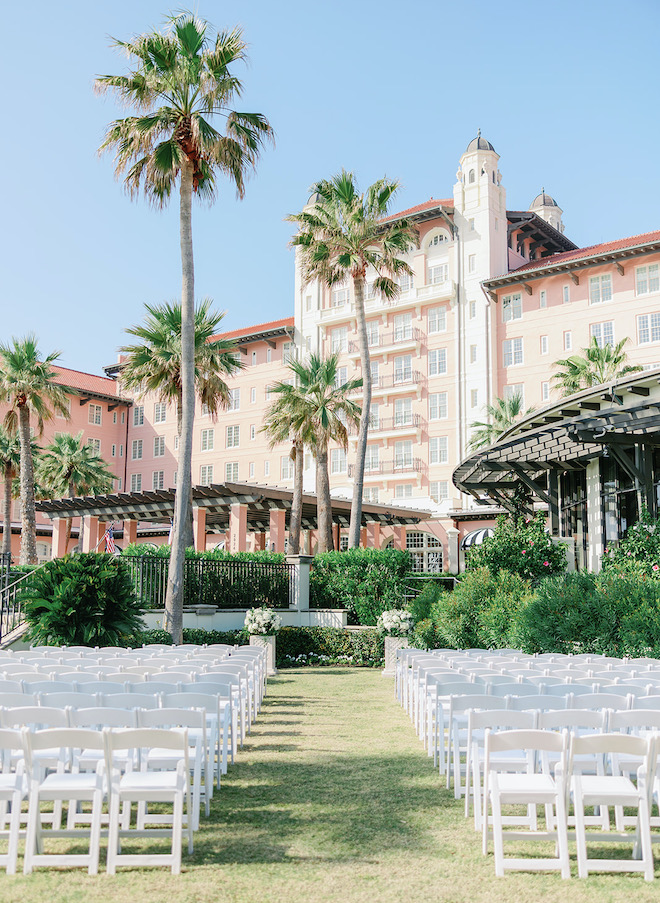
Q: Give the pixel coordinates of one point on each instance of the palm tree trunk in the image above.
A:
(296, 502)
(174, 598)
(6, 511)
(69, 521)
(363, 432)
(323, 501)
(188, 528)
(28, 517)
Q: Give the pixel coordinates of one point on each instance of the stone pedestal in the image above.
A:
(269, 643)
(392, 643)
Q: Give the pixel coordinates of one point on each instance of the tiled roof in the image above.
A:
(590, 251)
(85, 382)
(420, 208)
(259, 327)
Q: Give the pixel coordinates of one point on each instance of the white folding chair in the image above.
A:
(62, 700)
(218, 724)
(459, 706)
(13, 790)
(129, 700)
(226, 697)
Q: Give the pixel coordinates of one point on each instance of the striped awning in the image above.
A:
(476, 537)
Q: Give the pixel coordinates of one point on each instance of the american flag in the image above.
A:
(109, 537)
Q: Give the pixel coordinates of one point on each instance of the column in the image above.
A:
(199, 529)
(90, 527)
(277, 529)
(259, 542)
(299, 582)
(373, 532)
(58, 545)
(399, 537)
(363, 537)
(130, 532)
(238, 527)
(594, 517)
(453, 550)
(336, 532)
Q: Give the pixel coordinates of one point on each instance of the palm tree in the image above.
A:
(27, 385)
(70, 467)
(323, 412)
(596, 365)
(501, 414)
(181, 80)
(341, 236)
(10, 460)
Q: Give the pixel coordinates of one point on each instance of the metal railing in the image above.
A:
(12, 585)
(223, 583)
(392, 337)
(395, 467)
(385, 424)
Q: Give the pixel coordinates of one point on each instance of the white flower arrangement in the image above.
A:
(394, 622)
(262, 621)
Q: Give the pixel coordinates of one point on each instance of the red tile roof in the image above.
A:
(419, 208)
(259, 327)
(590, 251)
(85, 382)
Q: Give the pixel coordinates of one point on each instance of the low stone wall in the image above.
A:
(207, 617)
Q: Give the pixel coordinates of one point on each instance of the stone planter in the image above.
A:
(269, 643)
(392, 643)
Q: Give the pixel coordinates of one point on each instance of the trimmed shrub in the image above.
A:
(366, 582)
(85, 600)
(522, 546)
(298, 646)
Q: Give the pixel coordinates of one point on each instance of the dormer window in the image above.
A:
(438, 239)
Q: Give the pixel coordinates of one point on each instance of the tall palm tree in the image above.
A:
(596, 365)
(501, 414)
(324, 409)
(342, 236)
(27, 385)
(70, 467)
(10, 461)
(182, 79)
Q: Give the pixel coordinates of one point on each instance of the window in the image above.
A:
(206, 474)
(471, 178)
(95, 445)
(176, 443)
(233, 436)
(231, 471)
(136, 482)
(402, 327)
(543, 299)
(544, 344)
(266, 468)
(471, 224)
(545, 391)
(373, 333)
(251, 470)
(369, 291)
(370, 494)
(473, 354)
(568, 340)
(339, 297)
(288, 352)
(254, 358)
(286, 467)
(438, 450)
(207, 440)
(439, 490)
(253, 432)
(473, 309)
(253, 395)
(566, 294)
(648, 328)
(437, 405)
(474, 398)
(406, 282)
(114, 451)
(603, 333)
(308, 303)
(372, 459)
(437, 320)
(136, 449)
(66, 415)
(121, 451)
(158, 479)
(438, 273)
(403, 368)
(647, 279)
(374, 367)
(343, 543)
(337, 460)
(511, 308)
(94, 414)
(515, 390)
(403, 415)
(472, 263)
(425, 551)
(138, 415)
(339, 339)
(403, 455)
(269, 355)
(205, 410)
(176, 474)
(159, 446)
(439, 238)
(341, 377)
(374, 418)
(403, 491)
(437, 362)
(600, 288)
(160, 412)
(234, 400)
(512, 352)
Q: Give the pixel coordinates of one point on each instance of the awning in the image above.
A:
(476, 537)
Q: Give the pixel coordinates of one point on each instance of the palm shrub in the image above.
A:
(519, 545)
(85, 600)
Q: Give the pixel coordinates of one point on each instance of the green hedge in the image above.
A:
(366, 582)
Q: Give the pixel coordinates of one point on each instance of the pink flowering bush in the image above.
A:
(522, 546)
(638, 553)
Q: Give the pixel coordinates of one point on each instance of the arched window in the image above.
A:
(425, 551)
(439, 238)
(471, 177)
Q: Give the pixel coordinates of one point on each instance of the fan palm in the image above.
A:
(181, 80)
(70, 467)
(501, 414)
(10, 460)
(340, 237)
(27, 385)
(596, 365)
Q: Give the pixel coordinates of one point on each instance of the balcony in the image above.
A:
(397, 426)
(398, 339)
(346, 312)
(394, 468)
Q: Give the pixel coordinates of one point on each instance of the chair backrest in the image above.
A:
(646, 702)
(206, 701)
(152, 687)
(49, 686)
(527, 740)
(169, 677)
(129, 700)
(573, 719)
(481, 702)
(105, 686)
(171, 717)
(34, 716)
(514, 689)
(218, 647)
(61, 700)
(457, 687)
(10, 700)
(98, 717)
(59, 737)
(147, 738)
(538, 703)
(566, 690)
(502, 719)
(634, 721)
(9, 668)
(600, 701)
(602, 744)
(11, 686)
(214, 688)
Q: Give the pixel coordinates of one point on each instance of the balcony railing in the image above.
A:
(385, 424)
(393, 337)
(397, 465)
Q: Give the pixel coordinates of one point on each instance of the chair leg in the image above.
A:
(498, 839)
(14, 829)
(95, 833)
(113, 833)
(177, 832)
(580, 831)
(562, 834)
(31, 832)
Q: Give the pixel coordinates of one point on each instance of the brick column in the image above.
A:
(277, 529)
(373, 532)
(199, 529)
(130, 532)
(58, 545)
(363, 537)
(259, 542)
(336, 532)
(238, 527)
(90, 527)
(399, 537)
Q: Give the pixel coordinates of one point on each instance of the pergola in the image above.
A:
(236, 508)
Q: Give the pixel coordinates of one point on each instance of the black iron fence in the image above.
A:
(13, 583)
(224, 583)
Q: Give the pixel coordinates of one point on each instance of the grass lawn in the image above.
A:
(332, 799)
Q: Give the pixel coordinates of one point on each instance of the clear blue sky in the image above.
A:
(565, 91)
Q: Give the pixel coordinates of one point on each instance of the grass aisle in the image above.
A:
(333, 799)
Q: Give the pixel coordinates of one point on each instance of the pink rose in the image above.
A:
(546, 564)
(524, 551)
(655, 567)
